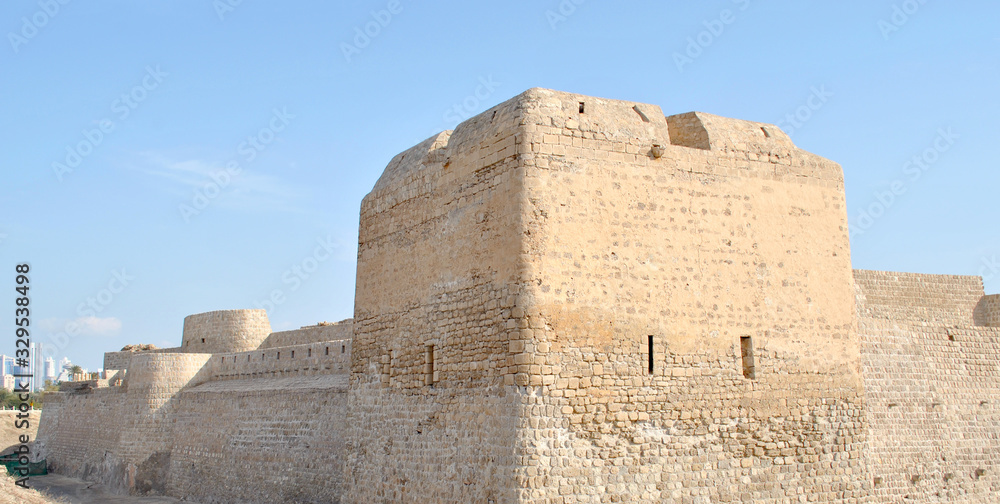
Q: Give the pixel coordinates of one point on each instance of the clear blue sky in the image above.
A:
(329, 108)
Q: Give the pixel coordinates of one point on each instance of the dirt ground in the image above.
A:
(9, 433)
(64, 490)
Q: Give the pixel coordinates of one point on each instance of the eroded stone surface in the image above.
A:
(569, 299)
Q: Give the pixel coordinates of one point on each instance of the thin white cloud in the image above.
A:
(87, 326)
(248, 190)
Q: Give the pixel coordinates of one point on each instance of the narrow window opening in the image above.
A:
(293, 354)
(429, 365)
(203, 340)
(327, 350)
(581, 107)
(746, 348)
(309, 353)
(279, 355)
(223, 360)
(650, 347)
(343, 348)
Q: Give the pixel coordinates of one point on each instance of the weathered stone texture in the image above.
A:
(932, 382)
(572, 300)
(261, 440)
(225, 331)
(988, 311)
(310, 334)
(438, 264)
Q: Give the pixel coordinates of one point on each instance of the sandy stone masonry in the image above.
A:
(570, 299)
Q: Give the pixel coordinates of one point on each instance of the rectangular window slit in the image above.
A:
(343, 348)
(309, 352)
(429, 365)
(328, 350)
(279, 356)
(746, 349)
(581, 107)
(650, 347)
(293, 354)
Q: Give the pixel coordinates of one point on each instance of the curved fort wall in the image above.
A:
(166, 425)
(129, 428)
(225, 331)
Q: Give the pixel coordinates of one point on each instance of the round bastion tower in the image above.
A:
(225, 331)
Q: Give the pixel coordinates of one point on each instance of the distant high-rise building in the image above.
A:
(49, 369)
(7, 368)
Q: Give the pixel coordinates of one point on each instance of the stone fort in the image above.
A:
(569, 299)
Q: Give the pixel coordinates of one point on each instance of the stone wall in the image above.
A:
(121, 436)
(326, 357)
(931, 390)
(429, 419)
(988, 311)
(934, 299)
(225, 331)
(309, 334)
(538, 246)
(725, 232)
(261, 441)
(575, 300)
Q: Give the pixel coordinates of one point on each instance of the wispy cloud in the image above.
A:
(88, 326)
(250, 190)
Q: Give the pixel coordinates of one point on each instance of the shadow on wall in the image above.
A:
(987, 311)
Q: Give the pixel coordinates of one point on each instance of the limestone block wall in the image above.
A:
(134, 422)
(934, 299)
(263, 440)
(725, 231)
(310, 334)
(931, 396)
(225, 331)
(327, 357)
(988, 311)
(75, 432)
(438, 269)
(119, 360)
